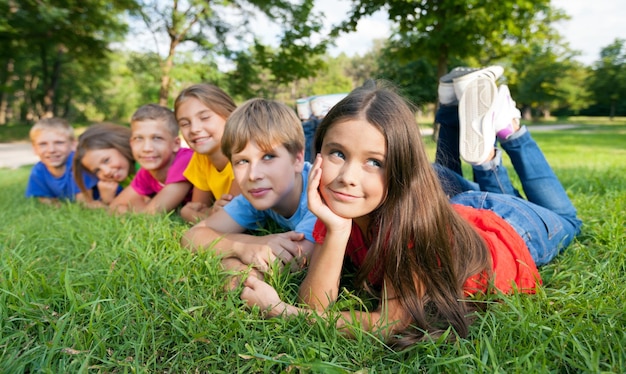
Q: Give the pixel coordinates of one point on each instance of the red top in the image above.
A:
(512, 264)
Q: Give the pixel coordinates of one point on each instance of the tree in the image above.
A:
(211, 26)
(541, 76)
(39, 39)
(442, 30)
(608, 79)
(417, 78)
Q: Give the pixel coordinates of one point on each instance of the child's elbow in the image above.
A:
(187, 240)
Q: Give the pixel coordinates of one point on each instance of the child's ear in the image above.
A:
(298, 161)
(74, 145)
(176, 143)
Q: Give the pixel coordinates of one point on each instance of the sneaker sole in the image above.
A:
(476, 132)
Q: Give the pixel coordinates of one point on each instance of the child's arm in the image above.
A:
(250, 249)
(49, 201)
(128, 200)
(199, 207)
(87, 201)
(168, 198)
(388, 319)
(321, 285)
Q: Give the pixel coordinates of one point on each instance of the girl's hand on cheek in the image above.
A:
(317, 205)
(108, 190)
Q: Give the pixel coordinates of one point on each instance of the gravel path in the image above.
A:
(15, 155)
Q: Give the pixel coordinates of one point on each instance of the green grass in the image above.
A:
(82, 291)
(14, 132)
(20, 132)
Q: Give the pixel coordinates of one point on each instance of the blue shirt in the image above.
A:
(42, 183)
(302, 221)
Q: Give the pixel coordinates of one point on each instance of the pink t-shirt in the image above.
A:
(145, 184)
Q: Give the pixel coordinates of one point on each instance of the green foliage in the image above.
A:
(48, 48)
(84, 291)
(608, 79)
(416, 78)
(458, 29)
(205, 25)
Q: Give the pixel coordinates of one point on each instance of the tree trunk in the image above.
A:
(442, 69)
(49, 100)
(164, 91)
(527, 113)
(4, 99)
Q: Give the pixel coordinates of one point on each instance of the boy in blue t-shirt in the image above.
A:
(51, 179)
(264, 141)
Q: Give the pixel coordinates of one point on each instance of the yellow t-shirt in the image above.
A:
(203, 175)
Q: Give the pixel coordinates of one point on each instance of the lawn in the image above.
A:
(82, 291)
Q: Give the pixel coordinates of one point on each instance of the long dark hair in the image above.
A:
(422, 247)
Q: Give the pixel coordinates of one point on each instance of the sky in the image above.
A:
(593, 25)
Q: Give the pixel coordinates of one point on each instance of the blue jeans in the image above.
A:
(310, 126)
(547, 221)
(447, 153)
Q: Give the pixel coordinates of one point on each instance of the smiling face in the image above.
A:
(107, 164)
(201, 127)
(153, 145)
(269, 179)
(53, 148)
(353, 169)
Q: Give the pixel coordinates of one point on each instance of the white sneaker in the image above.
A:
(504, 112)
(446, 90)
(476, 127)
(445, 93)
(492, 72)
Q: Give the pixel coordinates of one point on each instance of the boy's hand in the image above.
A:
(289, 247)
(195, 211)
(221, 203)
(294, 251)
(317, 205)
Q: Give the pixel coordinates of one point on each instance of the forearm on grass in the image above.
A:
(200, 238)
(321, 284)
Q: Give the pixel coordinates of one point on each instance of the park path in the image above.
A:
(15, 155)
(18, 154)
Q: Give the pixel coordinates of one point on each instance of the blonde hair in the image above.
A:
(51, 124)
(156, 113)
(265, 122)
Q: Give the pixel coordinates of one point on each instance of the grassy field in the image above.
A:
(82, 291)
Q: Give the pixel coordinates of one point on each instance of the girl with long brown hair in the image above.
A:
(423, 255)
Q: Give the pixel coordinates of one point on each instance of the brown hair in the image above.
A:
(156, 113)
(422, 247)
(102, 136)
(210, 96)
(265, 122)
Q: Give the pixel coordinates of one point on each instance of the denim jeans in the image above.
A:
(309, 126)
(547, 221)
(447, 153)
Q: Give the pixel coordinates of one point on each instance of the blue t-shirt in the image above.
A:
(302, 221)
(42, 183)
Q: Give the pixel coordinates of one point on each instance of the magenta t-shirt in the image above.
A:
(146, 185)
